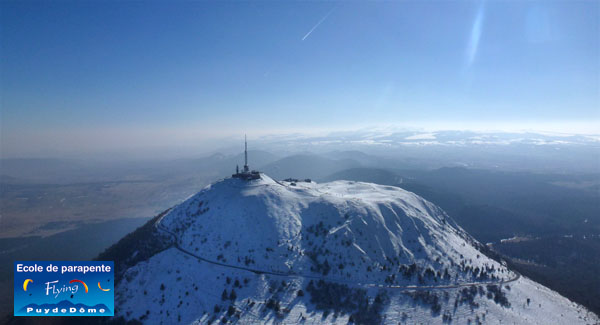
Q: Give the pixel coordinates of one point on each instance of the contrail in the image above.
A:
(317, 25)
(475, 35)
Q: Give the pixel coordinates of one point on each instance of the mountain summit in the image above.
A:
(295, 251)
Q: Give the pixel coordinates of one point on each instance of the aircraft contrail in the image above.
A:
(317, 25)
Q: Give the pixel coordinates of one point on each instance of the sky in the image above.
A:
(110, 76)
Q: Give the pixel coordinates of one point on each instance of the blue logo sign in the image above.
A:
(63, 288)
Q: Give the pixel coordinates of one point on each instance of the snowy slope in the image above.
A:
(329, 252)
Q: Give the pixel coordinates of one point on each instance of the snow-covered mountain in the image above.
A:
(288, 252)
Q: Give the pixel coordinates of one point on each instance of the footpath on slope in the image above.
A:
(159, 226)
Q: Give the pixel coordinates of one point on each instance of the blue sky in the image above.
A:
(102, 74)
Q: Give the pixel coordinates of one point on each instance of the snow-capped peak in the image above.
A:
(296, 245)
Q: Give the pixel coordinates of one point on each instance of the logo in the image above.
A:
(64, 288)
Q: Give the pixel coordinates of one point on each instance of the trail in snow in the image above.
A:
(308, 276)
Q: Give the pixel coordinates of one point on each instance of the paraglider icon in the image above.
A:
(26, 283)
(101, 287)
(84, 285)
